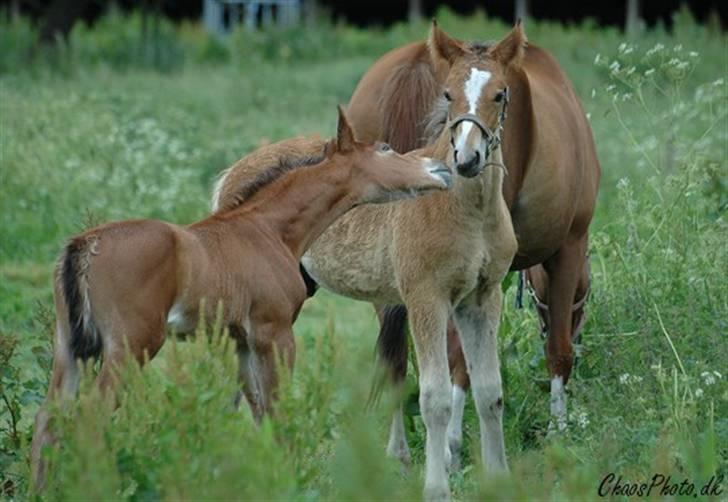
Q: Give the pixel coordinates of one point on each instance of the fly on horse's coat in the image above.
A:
(119, 284)
(407, 98)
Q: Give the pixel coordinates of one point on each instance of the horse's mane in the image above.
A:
(269, 175)
(405, 101)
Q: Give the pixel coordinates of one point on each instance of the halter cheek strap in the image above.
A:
(492, 138)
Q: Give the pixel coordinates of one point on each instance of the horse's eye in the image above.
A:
(447, 96)
(383, 147)
(499, 96)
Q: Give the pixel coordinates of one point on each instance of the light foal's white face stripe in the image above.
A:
(473, 88)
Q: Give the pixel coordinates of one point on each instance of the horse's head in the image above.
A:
(476, 93)
(380, 173)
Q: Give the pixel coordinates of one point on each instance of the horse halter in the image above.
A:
(492, 138)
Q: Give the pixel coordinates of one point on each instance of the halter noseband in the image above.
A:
(492, 138)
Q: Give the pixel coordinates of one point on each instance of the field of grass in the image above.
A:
(100, 131)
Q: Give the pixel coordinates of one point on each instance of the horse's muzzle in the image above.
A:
(441, 171)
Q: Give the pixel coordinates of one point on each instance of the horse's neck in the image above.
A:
(301, 205)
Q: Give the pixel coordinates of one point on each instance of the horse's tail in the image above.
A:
(84, 341)
(406, 100)
(392, 348)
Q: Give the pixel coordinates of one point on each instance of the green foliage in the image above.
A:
(94, 132)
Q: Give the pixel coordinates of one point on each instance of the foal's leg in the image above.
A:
(460, 386)
(271, 342)
(564, 270)
(428, 321)
(478, 327)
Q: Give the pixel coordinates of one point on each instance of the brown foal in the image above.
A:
(118, 285)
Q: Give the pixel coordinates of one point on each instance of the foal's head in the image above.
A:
(380, 173)
(475, 93)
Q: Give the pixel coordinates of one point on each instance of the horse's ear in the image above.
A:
(442, 46)
(512, 48)
(344, 133)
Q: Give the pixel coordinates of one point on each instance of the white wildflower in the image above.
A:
(631, 70)
(611, 87)
(698, 392)
(626, 96)
(622, 47)
(594, 92)
(682, 65)
(614, 67)
(718, 82)
(624, 377)
(598, 58)
(693, 54)
(708, 378)
(649, 72)
(628, 50)
(678, 48)
(674, 62)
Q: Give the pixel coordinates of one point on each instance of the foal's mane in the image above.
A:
(265, 178)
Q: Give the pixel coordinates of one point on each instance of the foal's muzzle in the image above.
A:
(469, 162)
(440, 171)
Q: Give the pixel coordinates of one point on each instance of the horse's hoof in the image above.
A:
(402, 454)
(452, 457)
(436, 494)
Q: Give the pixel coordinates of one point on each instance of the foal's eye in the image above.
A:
(447, 96)
(383, 147)
(499, 96)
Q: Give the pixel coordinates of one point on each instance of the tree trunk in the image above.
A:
(61, 16)
(632, 17)
(414, 12)
(521, 10)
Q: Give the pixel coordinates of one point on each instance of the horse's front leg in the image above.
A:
(564, 270)
(428, 314)
(272, 343)
(477, 324)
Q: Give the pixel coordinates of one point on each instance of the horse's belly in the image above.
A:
(542, 215)
(352, 258)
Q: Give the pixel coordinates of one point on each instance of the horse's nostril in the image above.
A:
(455, 155)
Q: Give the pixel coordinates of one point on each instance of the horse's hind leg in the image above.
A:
(63, 385)
(564, 270)
(393, 351)
(478, 327)
(460, 386)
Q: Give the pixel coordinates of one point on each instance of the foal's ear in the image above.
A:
(344, 133)
(442, 46)
(512, 48)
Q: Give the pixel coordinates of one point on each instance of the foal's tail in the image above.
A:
(85, 340)
(406, 101)
(392, 349)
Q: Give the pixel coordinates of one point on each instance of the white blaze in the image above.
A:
(473, 88)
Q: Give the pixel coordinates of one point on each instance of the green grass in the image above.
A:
(100, 134)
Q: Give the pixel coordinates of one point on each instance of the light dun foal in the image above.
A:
(118, 285)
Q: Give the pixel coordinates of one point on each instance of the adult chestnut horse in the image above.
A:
(118, 285)
(550, 190)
